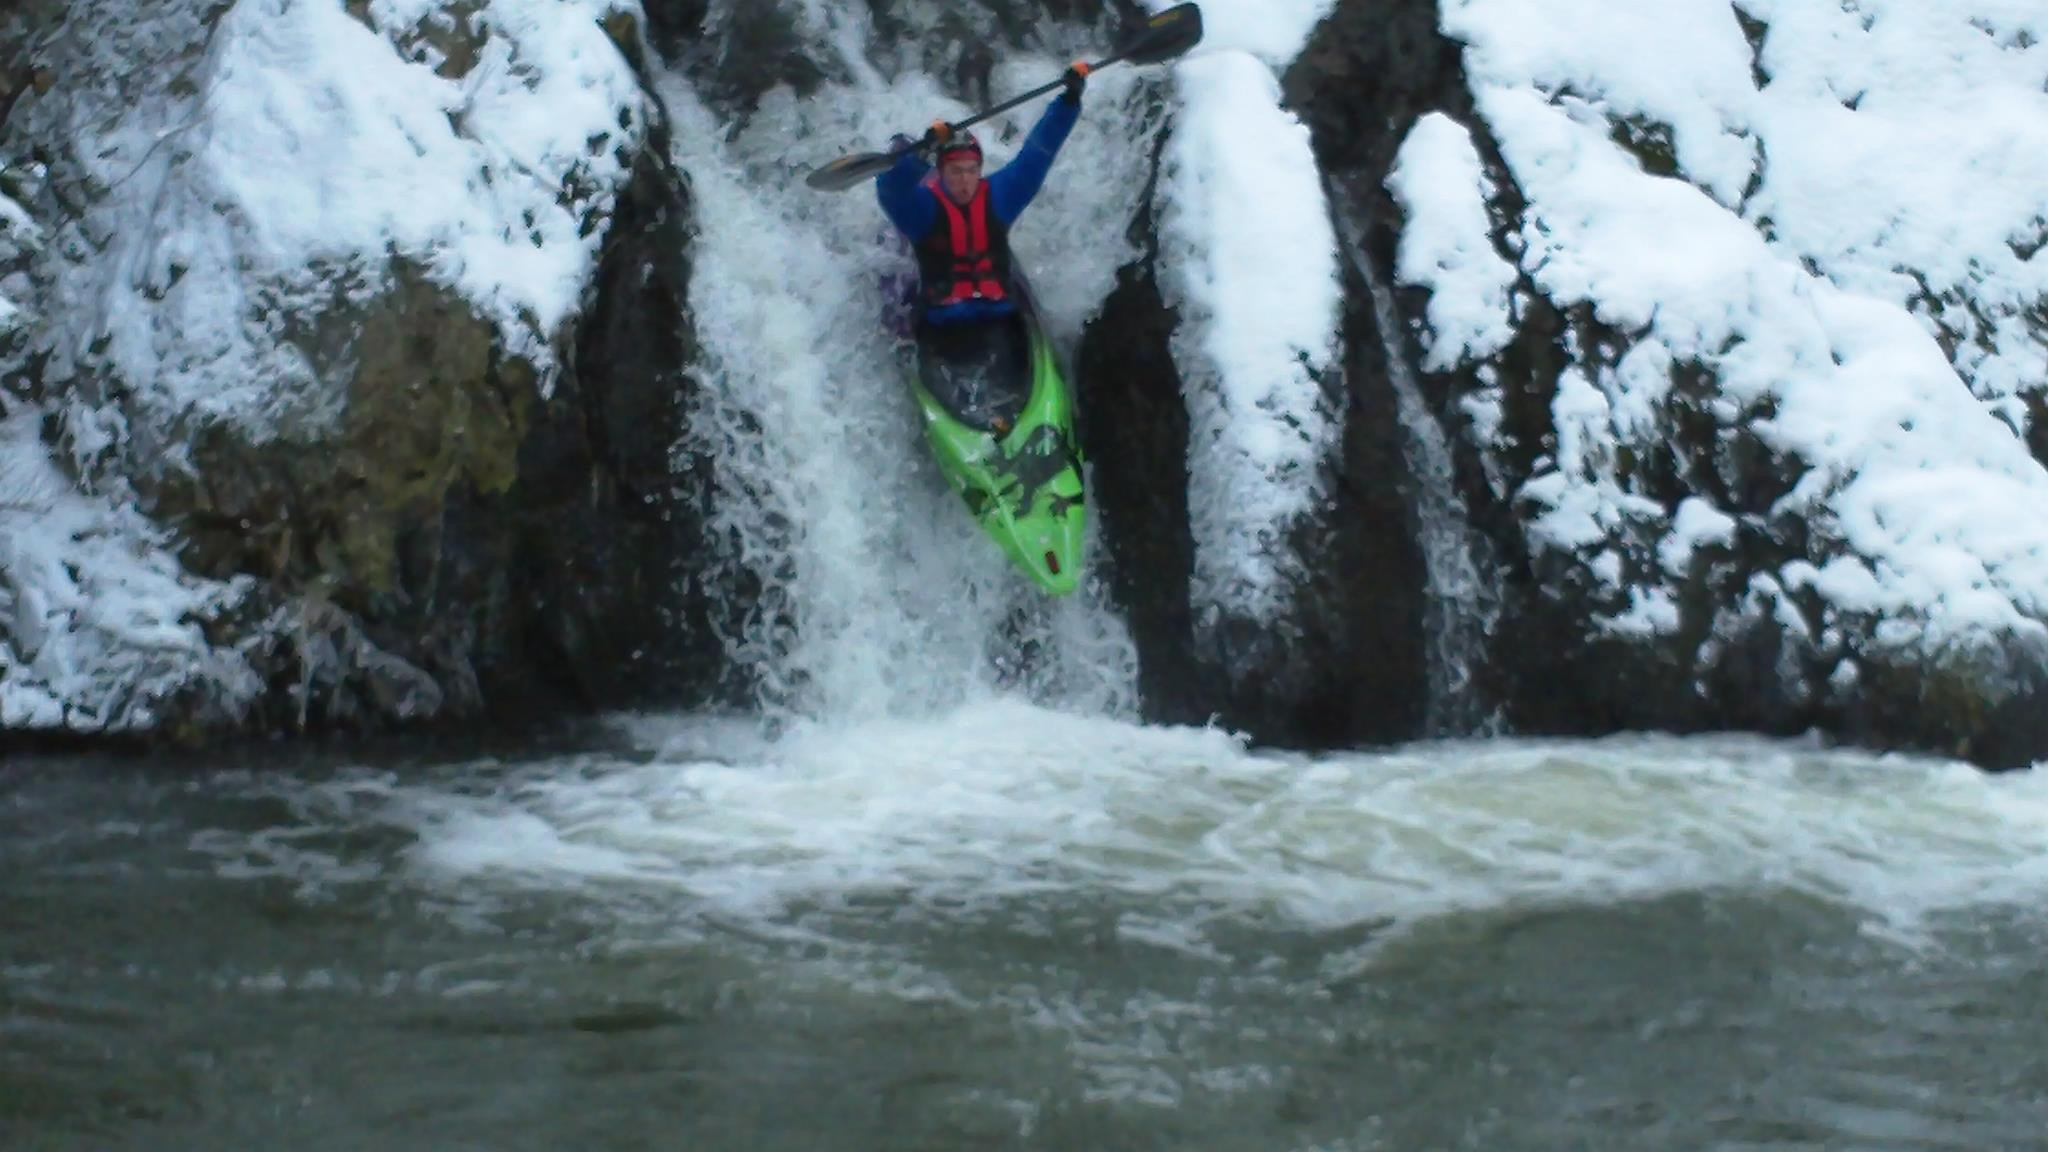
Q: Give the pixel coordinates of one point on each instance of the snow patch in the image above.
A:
(1681, 66)
(1698, 524)
(1909, 158)
(19, 236)
(15, 222)
(98, 621)
(1273, 30)
(1900, 147)
(1249, 258)
(1447, 244)
(1651, 612)
(287, 157)
(1903, 467)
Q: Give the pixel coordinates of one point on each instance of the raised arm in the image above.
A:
(903, 200)
(1011, 190)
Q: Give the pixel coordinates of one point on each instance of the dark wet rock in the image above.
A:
(1367, 76)
(1983, 703)
(1344, 662)
(1358, 648)
(1135, 431)
(673, 26)
(624, 409)
(521, 551)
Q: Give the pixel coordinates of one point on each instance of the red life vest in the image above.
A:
(967, 254)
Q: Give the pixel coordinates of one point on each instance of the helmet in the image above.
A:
(962, 143)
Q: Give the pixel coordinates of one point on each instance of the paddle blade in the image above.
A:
(847, 171)
(1164, 36)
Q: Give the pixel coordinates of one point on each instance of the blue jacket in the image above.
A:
(915, 211)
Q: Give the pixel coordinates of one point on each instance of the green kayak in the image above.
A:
(999, 416)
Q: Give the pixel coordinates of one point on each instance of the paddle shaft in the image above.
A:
(1028, 97)
(1165, 35)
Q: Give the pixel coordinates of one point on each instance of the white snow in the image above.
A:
(1931, 188)
(1651, 612)
(1681, 63)
(18, 235)
(315, 156)
(1942, 170)
(1697, 523)
(1273, 30)
(15, 220)
(382, 150)
(97, 620)
(1446, 247)
(1249, 257)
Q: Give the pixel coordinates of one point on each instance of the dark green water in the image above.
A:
(1182, 946)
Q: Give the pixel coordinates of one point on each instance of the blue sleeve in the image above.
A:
(1012, 189)
(903, 200)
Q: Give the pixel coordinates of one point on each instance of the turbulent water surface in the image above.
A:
(1017, 928)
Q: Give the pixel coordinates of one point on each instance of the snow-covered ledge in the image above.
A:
(311, 305)
(1802, 347)
(246, 172)
(1249, 259)
(101, 630)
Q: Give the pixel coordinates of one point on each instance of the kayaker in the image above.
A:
(959, 222)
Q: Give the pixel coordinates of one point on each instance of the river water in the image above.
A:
(1016, 928)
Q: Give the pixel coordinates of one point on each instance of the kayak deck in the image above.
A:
(999, 417)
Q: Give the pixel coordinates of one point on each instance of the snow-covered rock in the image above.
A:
(101, 630)
(1248, 258)
(361, 346)
(251, 178)
(1737, 311)
(316, 290)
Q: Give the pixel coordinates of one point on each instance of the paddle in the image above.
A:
(1161, 38)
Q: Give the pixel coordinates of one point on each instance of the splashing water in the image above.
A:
(997, 809)
(877, 594)
(1462, 607)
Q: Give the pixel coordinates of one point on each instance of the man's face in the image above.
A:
(961, 175)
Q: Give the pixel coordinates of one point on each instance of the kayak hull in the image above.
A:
(998, 417)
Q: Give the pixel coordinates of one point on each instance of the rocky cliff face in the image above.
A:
(1695, 587)
(1688, 592)
(1344, 661)
(432, 454)
(417, 439)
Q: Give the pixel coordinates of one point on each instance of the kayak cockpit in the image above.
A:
(980, 371)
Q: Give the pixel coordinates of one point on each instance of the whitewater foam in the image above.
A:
(1188, 838)
(877, 594)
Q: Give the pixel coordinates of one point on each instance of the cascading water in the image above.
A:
(1462, 607)
(1001, 925)
(877, 594)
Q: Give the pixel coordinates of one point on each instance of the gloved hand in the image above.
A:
(937, 134)
(1076, 79)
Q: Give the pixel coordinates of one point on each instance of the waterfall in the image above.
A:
(1463, 606)
(871, 592)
